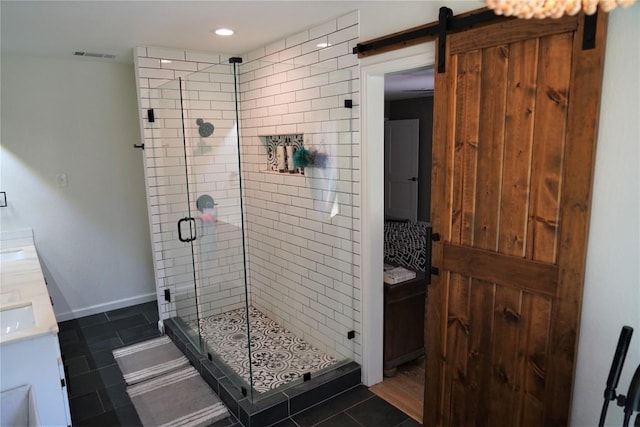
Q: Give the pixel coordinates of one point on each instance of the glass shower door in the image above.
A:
(212, 158)
(172, 209)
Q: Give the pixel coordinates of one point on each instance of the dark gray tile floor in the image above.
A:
(97, 394)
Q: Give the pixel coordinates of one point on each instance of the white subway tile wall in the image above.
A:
(302, 232)
(301, 229)
(212, 168)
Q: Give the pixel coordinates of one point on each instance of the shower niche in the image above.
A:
(260, 286)
(281, 152)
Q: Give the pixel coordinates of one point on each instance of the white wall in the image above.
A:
(612, 285)
(77, 117)
(379, 18)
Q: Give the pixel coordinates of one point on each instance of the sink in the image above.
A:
(11, 254)
(19, 407)
(17, 319)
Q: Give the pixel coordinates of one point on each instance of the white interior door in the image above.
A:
(401, 145)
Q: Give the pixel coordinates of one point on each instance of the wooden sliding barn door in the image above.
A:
(515, 121)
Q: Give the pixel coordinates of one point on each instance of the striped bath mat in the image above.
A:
(180, 398)
(149, 359)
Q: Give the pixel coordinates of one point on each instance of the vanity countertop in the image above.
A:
(22, 284)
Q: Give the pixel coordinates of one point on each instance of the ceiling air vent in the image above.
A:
(95, 55)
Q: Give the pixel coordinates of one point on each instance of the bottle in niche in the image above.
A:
(280, 157)
(290, 151)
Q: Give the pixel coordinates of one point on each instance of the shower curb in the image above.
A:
(275, 406)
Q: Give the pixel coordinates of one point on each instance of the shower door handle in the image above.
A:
(192, 229)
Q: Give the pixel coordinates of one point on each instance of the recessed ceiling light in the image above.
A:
(224, 32)
(166, 61)
(323, 44)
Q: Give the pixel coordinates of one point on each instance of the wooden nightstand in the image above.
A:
(404, 322)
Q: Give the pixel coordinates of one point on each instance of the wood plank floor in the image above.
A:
(405, 390)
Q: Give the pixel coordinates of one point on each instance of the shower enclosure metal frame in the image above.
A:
(329, 204)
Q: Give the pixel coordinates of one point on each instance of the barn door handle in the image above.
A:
(414, 179)
(431, 270)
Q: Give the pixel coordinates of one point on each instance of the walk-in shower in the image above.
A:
(256, 256)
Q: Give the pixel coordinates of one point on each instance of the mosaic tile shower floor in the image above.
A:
(277, 355)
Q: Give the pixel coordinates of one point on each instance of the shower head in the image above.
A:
(205, 129)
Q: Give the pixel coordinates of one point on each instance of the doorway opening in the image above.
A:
(397, 114)
(408, 127)
(408, 119)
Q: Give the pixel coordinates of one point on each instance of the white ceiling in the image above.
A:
(59, 28)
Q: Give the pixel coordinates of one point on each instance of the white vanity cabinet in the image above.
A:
(36, 362)
(30, 356)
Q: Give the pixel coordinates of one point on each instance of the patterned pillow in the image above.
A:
(405, 244)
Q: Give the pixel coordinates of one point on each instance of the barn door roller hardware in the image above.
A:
(446, 24)
(589, 34)
(444, 20)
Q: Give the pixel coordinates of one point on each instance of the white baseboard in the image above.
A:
(100, 308)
